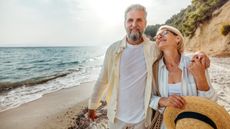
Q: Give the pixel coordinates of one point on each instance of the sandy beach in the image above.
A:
(52, 111)
(56, 110)
(219, 72)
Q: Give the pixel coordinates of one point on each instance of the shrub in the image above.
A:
(151, 31)
(225, 29)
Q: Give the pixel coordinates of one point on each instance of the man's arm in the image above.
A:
(99, 88)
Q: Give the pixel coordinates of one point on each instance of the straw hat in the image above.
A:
(196, 110)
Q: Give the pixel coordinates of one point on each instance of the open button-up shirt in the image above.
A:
(108, 79)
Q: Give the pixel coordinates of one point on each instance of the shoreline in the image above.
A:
(56, 110)
(52, 111)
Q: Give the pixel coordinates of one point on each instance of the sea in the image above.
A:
(28, 73)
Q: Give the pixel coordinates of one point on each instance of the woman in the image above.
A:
(177, 74)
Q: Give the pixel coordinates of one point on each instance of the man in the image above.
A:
(126, 75)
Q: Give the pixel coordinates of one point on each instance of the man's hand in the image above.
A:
(92, 114)
(205, 61)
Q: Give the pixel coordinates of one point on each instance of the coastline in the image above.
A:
(52, 111)
(57, 110)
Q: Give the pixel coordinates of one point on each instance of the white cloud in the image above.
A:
(73, 22)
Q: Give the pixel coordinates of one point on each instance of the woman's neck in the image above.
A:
(171, 59)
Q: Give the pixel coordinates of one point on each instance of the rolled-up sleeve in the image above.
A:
(154, 104)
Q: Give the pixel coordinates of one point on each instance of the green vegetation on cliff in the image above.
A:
(190, 18)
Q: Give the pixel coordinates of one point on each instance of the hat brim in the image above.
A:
(200, 105)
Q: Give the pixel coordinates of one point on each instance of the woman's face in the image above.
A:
(167, 40)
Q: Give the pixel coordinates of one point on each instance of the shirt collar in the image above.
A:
(181, 65)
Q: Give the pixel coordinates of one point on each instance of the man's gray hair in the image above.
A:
(136, 7)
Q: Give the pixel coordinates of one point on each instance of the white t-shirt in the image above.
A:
(131, 91)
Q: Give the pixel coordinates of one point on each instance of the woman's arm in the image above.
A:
(202, 80)
(198, 71)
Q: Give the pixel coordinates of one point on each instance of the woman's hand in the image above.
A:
(203, 58)
(172, 101)
(198, 71)
(197, 68)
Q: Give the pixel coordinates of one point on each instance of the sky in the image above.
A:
(74, 22)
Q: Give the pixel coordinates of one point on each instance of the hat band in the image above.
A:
(197, 116)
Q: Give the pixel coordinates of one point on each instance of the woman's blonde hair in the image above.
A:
(180, 46)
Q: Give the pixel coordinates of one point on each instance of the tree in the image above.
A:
(151, 31)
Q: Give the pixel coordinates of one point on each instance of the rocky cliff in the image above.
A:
(208, 37)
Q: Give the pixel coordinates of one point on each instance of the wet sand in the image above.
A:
(52, 111)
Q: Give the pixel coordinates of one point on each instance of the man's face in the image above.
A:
(135, 24)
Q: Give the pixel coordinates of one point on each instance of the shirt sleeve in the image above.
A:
(154, 104)
(100, 84)
(157, 51)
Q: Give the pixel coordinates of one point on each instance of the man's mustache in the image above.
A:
(135, 29)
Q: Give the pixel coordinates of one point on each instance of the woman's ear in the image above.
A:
(178, 39)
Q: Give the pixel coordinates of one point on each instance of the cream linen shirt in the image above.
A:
(108, 80)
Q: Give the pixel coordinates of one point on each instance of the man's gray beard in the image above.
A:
(135, 36)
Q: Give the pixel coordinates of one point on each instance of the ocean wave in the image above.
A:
(68, 63)
(27, 74)
(24, 68)
(94, 58)
(5, 86)
(24, 94)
